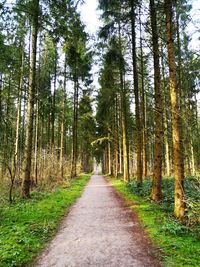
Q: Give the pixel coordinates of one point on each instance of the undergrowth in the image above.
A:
(27, 225)
(192, 198)
(179, 243)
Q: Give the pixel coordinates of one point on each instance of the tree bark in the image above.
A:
(179, 203)
(143, 107)
(53, 101)
(116, 139)
(36, 142)
(74, 131)
(1, 87)
(62, 133)
(25, 193)
(165, 120)
(139, 170)
(193, 171)
(124, 140)
(123, 105)
(109, 156)
(156, 192)
(16, 153)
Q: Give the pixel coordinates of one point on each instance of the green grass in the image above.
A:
(27, 225)
(178, 244)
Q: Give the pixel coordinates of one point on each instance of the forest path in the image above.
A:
(99, 231)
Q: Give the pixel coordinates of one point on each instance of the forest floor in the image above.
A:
(99, 231)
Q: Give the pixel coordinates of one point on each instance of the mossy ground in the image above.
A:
(179, 244)
(27, 225)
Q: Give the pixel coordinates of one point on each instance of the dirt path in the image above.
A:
(99, 231)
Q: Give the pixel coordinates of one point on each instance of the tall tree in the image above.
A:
(139, 171)
(79, 61)
(179, 205)
(62, 132)
(143, 100)
(157, 175)
(31, 100)
(123, 99)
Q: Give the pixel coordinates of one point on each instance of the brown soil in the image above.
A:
(99, 231)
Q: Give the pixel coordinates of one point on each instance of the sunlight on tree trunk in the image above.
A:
(179, 205)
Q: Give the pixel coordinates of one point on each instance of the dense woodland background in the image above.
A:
(143, 121)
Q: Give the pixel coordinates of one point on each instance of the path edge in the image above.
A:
(128, 203)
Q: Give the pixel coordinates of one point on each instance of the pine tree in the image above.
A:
(179, 204)
(31, 99)
(157, 175)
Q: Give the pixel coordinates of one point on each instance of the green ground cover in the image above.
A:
(178, 243)
(27, 225)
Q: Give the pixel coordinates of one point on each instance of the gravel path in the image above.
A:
(99, 231)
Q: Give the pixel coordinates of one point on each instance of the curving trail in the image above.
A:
(99, 231)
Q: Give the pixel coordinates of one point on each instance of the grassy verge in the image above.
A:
(178, 245)
(27, 225)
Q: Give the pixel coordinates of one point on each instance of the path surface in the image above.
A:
(99, 231)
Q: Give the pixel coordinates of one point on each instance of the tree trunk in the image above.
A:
(116, 140)
(30, 109)
(1, 107)
(37, 117)
(16, 153)
(179, 203)
(182, 91)
(62, 132)
(7, 155)
(120, 156)
(166, 143)
(123, 99)
(193, 171)
(53, 102)
(143, 107)
(1, 116)
(120, 137)
(36, 143)
(109, 156)
(139, 170)
(124, 141)
(165, 121)
(156, 192)
(74, 131)
(49, 141)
